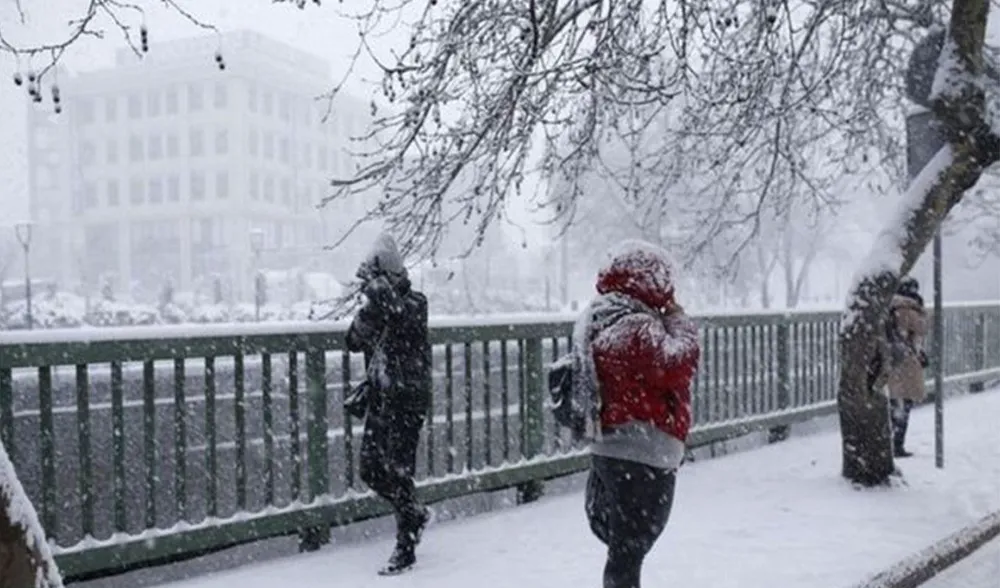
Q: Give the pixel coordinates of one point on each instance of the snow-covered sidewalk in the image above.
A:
(776, 516)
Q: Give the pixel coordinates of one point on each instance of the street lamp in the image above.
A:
(256, 245)
(23, 232)
(924, 138)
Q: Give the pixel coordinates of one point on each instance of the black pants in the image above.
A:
(900, 418)
(628, 505)
(389, 461)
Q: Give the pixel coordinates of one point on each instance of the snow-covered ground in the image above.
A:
(777, 516)
(979, 570)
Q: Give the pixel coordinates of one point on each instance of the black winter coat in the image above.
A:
(401, 313)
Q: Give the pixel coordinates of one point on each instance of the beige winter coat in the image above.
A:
(906, 375)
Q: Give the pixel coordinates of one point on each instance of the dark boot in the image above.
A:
(409, 531)
(401, 560)
(900, 418)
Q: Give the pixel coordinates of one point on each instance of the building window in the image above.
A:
(197, 147)
(221, 142)
(203, 234)
(254, 186)
(88, 154)
(136, 191)
(306, 196)
(112, 193)
(221, 98)
(286, 191)
(89, 195)
(112, 148)
(222, 185)
(284, 151)
(153, 104)
(196, 99)
(268, 146)
(135, 148)
(173, 148)
(307, 155)
(269, 189)
(155, 147)
(321, 158)
(155, 191)
(134, 106)
(252, 97)
(84, 110)
(268, 103)
(173, 188)
(197, 185)
(284, 107)
(306, 109)
(173, 101)
(111, 109)
(252, 141)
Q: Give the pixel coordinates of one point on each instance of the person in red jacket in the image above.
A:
(637, 352)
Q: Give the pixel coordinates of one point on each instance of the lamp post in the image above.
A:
(256, 245)
(23, 232)
(924, 138)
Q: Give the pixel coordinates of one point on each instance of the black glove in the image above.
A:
(378, 290)
(924, 362)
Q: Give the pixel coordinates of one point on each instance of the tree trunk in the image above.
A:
(863, 408)
(25, 558)
(864, 416)
(973, 146)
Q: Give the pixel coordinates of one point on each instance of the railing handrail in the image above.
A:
(137, 334)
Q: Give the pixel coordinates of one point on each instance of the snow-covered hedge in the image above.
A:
(65, 310)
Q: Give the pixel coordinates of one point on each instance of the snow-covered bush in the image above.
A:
(105, 313)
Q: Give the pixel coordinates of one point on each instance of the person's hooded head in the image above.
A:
(383, 260)
(641, 271)
(908, 286)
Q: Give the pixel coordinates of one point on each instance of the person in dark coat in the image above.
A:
(391, 330)
(637, 353)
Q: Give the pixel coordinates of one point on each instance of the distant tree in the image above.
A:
(166, 297)
(107, 289)
(218, 291)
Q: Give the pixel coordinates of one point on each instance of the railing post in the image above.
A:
(780, 433)
(979, 351)
(313, 538)
(534, 418)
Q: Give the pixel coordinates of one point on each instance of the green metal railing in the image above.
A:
(146, 445)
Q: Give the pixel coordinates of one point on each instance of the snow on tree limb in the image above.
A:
(889, 254)
(738, 86)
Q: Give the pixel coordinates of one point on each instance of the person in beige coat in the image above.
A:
(906, 331)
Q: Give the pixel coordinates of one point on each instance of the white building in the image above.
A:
(158, 169)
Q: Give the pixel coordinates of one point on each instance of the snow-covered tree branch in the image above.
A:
(491, 92)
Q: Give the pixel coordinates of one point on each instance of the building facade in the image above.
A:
(159, 169)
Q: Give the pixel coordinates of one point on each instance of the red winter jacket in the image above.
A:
(644, 360)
